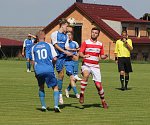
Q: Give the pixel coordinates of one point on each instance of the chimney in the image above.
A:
(80, 1)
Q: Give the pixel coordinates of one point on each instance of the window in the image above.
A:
(136, 31)
(148, 32)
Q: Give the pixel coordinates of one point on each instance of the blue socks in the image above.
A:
(69, 87)
(42, 97)
(75, 69)
(56, 98)
(60, 82)
(75, 89)
(28, 65)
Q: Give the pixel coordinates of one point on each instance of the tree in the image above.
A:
(146, 16)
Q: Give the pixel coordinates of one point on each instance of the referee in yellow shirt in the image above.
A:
(122, 58)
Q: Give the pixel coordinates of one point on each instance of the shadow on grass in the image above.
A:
(123, 90)
(81, 106)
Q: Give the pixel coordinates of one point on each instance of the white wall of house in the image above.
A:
(115, 25)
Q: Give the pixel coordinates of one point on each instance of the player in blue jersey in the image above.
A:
(44, 57)
(59, 38)
(72, 64)
(26, 50)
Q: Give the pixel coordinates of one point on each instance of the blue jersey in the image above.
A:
(28, 43)
(43, 54)
(72, 45)
(60, 39)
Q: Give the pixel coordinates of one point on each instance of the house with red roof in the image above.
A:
(10, 48)
(111, 20)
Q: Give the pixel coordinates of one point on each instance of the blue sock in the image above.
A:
(69, 87)
(42, 97)
(75, 69)
(28, 65)
(75, 89)
(59, 82)
(56, 98)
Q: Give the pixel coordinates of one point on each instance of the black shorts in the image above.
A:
(124, 64)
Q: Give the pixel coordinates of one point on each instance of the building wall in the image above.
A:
(116, 25)
(131, 29)
(86, 32)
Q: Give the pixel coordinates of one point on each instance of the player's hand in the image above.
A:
(68, 53)
(116, 61)
(23, 54)
(104, 56)
(86, 56)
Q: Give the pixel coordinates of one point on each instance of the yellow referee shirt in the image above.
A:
(121, 50)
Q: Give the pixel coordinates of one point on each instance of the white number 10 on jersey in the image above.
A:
(42, 54)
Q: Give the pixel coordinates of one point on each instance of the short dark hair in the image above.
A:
(96, 28)
(124, 31)
(63, 21)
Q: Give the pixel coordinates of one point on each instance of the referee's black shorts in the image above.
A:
(124, 64)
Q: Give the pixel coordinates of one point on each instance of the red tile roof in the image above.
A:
(96, 13)
(141, 40)
(18, 33)
(10, 42)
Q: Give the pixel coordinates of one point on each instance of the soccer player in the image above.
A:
(91, 51)
(44, 57)
(59, 38)
(122, 58)
(72, 64)
(26, 50)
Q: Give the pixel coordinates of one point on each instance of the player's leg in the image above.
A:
(97, 80)
(73, 85)
(67, 90)
(76, 66)
(122, 71)
(85, 73)
(60, 69)
(56, 99)
(28, 61)
(128, 68)
(41, 81)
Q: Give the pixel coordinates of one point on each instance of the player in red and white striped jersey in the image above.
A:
(91, 51)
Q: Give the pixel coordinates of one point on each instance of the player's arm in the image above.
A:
(33, 36)
(129, 44)
(54, 42)
(32, 55)
(102, 55)
(82, 49)
(23, 48)
(116, 52)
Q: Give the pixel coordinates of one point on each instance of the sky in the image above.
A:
(42, 12)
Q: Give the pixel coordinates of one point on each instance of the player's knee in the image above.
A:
(122, 73)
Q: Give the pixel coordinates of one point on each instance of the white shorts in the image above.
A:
(94, 71)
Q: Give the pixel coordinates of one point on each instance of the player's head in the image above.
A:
(29, 36)
(124, 34)
(70, 35)
(41, 36)
(95, 33)
(63, 23)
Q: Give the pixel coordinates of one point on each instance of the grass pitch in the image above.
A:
(19, 102)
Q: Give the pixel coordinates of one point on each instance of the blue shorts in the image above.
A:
(49, 78)
(60, 64)
(28, 55)
(69, 68)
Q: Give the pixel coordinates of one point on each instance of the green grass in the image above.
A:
(19, 100)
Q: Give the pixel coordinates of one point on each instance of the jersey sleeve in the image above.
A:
(24, 43)
(54, 38)
(130, 42)
(83, 47)
(53, 52)
(116, 48)
(77, 45)
(102, 50)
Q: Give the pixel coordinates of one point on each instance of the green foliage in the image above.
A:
(19, 102)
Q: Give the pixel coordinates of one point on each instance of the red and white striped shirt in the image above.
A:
(94, 49)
